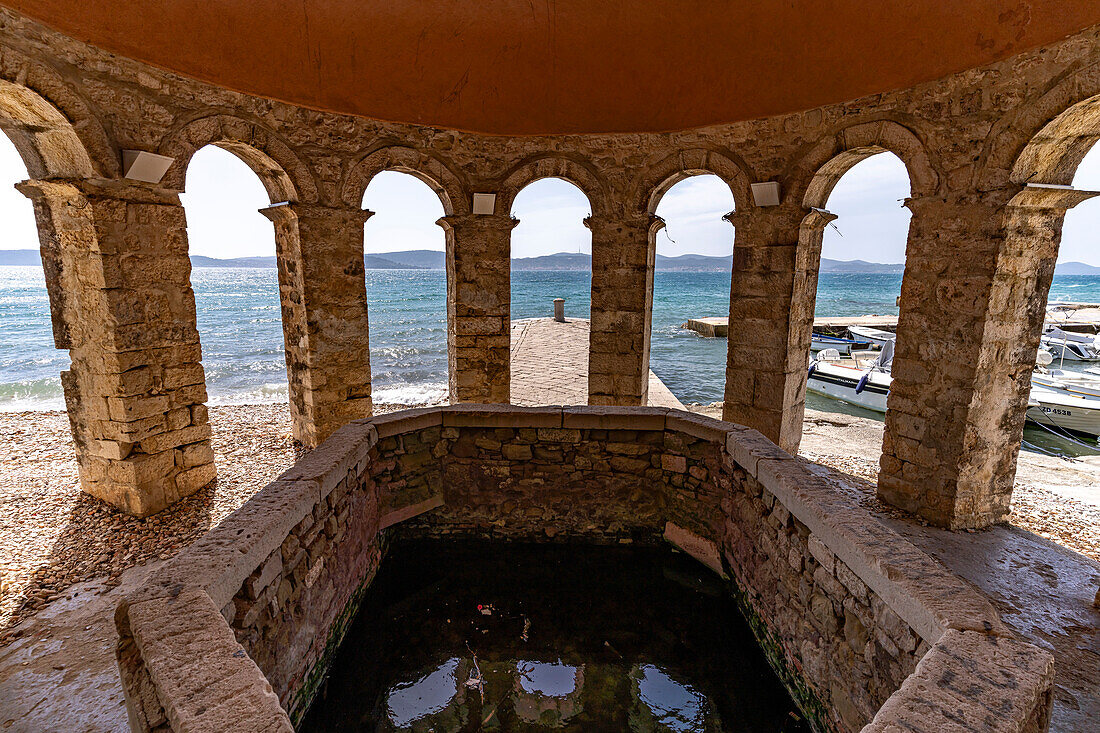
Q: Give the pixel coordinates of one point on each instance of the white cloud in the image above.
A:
(551, 215)
(871, 222)
(222, 200)
(693, 211)
(20, 230)
(405, 214)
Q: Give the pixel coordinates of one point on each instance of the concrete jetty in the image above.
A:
(1082, 317)
(550, 365)
(719, 325)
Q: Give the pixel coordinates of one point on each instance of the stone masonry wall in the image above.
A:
(846, 610)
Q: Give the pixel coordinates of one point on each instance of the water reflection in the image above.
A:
(555, 680)
(669, 704)
(470, 636)
(430, 694)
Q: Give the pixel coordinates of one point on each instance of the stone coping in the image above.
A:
(977, 670)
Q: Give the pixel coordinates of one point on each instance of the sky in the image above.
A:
(223, 196)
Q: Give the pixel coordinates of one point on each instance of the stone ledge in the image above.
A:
(220, 560)
(698, 426)
(204, 679)
(408, 512)
(970, 681)
(500, 416)
(922, 592)
(328, 464)
(403, 421)
(596, 417)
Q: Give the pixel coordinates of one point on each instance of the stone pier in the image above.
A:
(115, 257)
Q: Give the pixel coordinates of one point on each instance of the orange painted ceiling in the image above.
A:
(558, 66)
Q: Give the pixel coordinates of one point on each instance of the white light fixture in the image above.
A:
(485, 203)
(766, 193)
(141, 165)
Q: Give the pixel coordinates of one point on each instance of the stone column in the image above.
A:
(479, 303)
(622, 309)
(773, 287)
(118, 275)
(324, 303)
(978, 269)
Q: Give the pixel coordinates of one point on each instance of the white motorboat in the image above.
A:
(876, 336)
(861, 381)
(1065, 400)
(820, 342)
(1064, 410)
(1070, 346)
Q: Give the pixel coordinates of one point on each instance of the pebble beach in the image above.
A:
(52, 535)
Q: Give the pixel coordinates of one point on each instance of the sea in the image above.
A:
(240, 328)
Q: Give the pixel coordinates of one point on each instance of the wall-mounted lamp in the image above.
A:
(141, 165)
(485, 203)
(766, 193)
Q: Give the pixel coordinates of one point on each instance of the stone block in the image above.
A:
(192, 479)
(698, 426)
(175, 439)
(405, 421)
(501, 416)
(129, 409)
(585, 417)
(747, 447)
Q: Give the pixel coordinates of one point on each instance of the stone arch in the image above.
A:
(580, 174)
(46, 140)
(694, 162)
(429, 169)
(817, 173)
(1044, 140)
(282, 172)
(52, 127)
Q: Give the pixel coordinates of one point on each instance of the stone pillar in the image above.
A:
(622, 309)
(479, 305)
(324, 303)
(118, 275)
(773, 287)
(978, 269)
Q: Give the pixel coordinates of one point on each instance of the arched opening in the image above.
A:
(30, 364)
(551, 249)
(693, 262)
(235, 278)
(859, 277)
(551, 258)
(1050, 228)
(406, 282)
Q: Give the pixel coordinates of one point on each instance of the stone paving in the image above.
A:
(550, 365)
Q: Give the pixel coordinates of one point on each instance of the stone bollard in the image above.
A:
(559, 310)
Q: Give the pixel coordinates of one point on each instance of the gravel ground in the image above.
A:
(52, 535)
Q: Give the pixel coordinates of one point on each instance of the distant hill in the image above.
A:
(416, 259)
(859, 267)
(20, 257)
(200, 261)
(424, 259)
(1075, 268)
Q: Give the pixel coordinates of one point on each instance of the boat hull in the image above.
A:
(840, 383)
(1064, 412)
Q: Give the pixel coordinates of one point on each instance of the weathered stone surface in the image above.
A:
(844, 607)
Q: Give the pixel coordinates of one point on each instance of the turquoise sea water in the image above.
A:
(239, 324)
